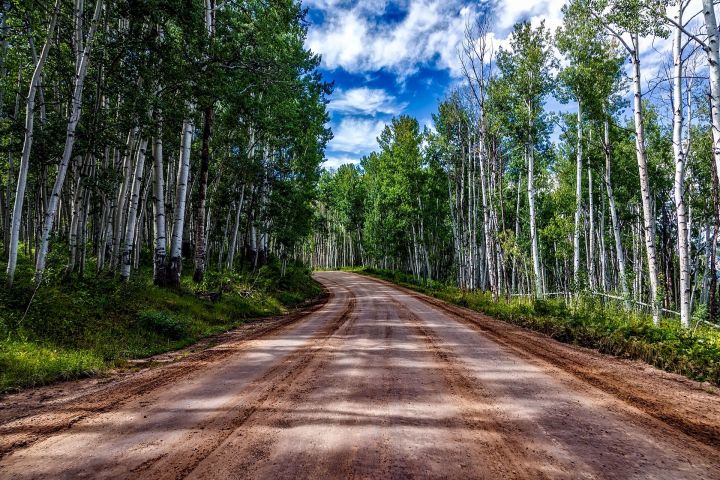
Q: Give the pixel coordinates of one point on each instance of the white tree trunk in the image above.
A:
(712, 47)
(129, 242)
(680, 164)
(539, 292)
(159, 264)
(69, 143)
(578, 200)
(122, 198)
(592, 279)
(487, 225)
(619, 251)
(181, 197)
(648, 214)
(27, 147)
(236, 229)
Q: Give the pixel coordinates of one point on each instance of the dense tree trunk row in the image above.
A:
(132, 181)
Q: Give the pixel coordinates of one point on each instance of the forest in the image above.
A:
(160, 125)
(613, 197)
(165, 157)
(369, 239)
(163, 140)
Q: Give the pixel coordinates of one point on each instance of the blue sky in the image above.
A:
(391, 57)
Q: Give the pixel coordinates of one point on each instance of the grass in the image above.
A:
(591, 323)
(76, 327)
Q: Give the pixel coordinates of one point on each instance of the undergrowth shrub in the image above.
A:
(167, 324)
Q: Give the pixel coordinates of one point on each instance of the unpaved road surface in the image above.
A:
(379, 382)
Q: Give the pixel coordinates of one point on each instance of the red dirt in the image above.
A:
(379, 382)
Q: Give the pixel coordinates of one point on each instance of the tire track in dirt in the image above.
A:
(357, 413)
(282, 381)
(695, 412)
(579, 429)
(506, 446)
(250, 442)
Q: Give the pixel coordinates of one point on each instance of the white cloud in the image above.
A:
(354, 39)
(340, 40)
(356, 136)
(444, 44)
(513, 11)
(336, 161)
(364, 100)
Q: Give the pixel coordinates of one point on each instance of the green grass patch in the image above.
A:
(75, 327)
(591, 323)
(30, 363)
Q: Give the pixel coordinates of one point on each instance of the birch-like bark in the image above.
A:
(144, 228)
(76, 214)
(680, 165)
(129, 242)
(515, 281)
(578, 199)
(648, 214)
(40, 92)
(69, 143)
(592, 279)
(175, 267)
(200, 213)
(619, 251)
(236, 228)
(533, 224)
(712, 48)
(123, 198)
(160, 240)
(27, 147)
(601, 243)
(487, 224)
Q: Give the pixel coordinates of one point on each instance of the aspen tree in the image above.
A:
(27, 147)
(75, 110)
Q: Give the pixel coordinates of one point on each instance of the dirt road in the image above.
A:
(379, 382)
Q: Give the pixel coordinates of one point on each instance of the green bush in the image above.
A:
(166, 324)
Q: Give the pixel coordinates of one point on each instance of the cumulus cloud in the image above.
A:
(513, 11)
(340, 40)
(333, 162)
(405, 37)
(356, 136)
(354, 36)
(357, 40)
(366, 101)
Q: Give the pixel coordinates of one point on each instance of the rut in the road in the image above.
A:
(280, 381)
(592, 368)
(510, 455)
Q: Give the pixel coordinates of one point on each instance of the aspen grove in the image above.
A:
(615, 196)
(164, 130)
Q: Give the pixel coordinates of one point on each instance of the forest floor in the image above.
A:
(78, 326)
(377, 382)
